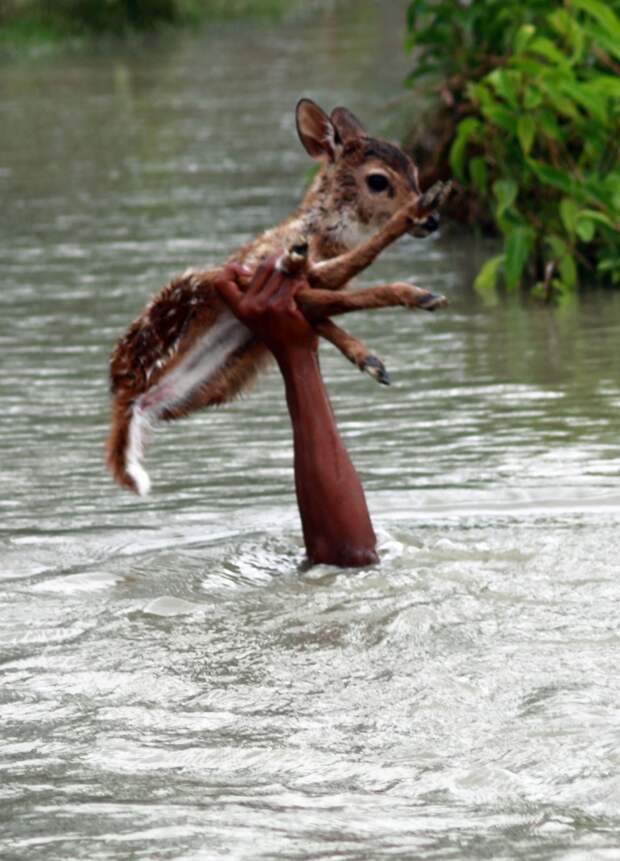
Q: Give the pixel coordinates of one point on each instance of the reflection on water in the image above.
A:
(173, 685)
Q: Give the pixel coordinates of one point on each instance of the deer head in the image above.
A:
(363, 180)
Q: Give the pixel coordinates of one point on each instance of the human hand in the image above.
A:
(268, 307)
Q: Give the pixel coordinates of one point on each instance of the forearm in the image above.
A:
(335, 520)
(334, 516)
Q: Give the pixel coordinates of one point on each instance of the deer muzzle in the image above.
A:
(426, 227)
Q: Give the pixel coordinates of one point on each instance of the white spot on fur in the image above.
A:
(208, 355)
(139, 428)
(351, 232)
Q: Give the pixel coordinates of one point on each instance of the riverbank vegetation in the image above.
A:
(526, 115)
(26, 22)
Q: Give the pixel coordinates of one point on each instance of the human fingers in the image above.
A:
(268, 283)
(277, 289)
(237, 272)
(261, 276)
(298, 283)
(285, 297)
(234, 272)
(229, 291)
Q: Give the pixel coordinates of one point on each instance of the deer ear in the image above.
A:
(347, 125)
(315, 130)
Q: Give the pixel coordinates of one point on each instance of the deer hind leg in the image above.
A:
(317, 304)
(354, 350)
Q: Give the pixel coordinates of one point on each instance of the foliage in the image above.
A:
(535, 87)
(35, 20)
(77, 17)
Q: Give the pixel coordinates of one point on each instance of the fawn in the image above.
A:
(187, 350)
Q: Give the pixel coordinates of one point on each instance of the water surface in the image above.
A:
(172, 686)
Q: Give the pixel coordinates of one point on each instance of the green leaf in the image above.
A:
(478, 172)
(528, 65)
(505, 84)
(601, 218)
(611, 267)
(585, 229)
(563, 257)
(558, 100)
(549, 125)
(547, 49)
(566, 25)
(505, 191)
(480, 95)
(592, 101)
(487, 277)
(467, 129)
(603, 14)
(612, 187)
(518, 245)
(552, 176)
(569, 210)
(605, 84)
(526, 130)
(499, 116)
(568, 271)
(523, 35)
(558, 245)
(531, 98)
(538, 291)
(607, 42)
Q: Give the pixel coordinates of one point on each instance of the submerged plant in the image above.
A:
(534, 100)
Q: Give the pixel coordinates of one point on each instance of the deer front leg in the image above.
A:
(333, 274)
(354, 350)
(317, 304)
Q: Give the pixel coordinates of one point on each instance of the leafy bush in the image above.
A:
(535, 90)
(57, 18)
(117, 15)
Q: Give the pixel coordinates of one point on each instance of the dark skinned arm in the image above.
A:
(334, 516)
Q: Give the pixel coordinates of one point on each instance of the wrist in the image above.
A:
(291, 357)
(305, 390)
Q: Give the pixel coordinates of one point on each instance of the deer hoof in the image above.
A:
(431, 301)
(376, 369)
(436, 196)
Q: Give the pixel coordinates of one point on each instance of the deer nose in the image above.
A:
(432, 223)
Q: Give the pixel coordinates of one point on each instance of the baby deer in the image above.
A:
(187, 350)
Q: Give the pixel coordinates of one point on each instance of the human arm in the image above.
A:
(335, 520)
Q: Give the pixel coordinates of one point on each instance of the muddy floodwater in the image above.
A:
(172, 685)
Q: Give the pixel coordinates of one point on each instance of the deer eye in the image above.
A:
(377, 182)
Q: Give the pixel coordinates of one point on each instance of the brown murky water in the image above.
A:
(171, 686)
